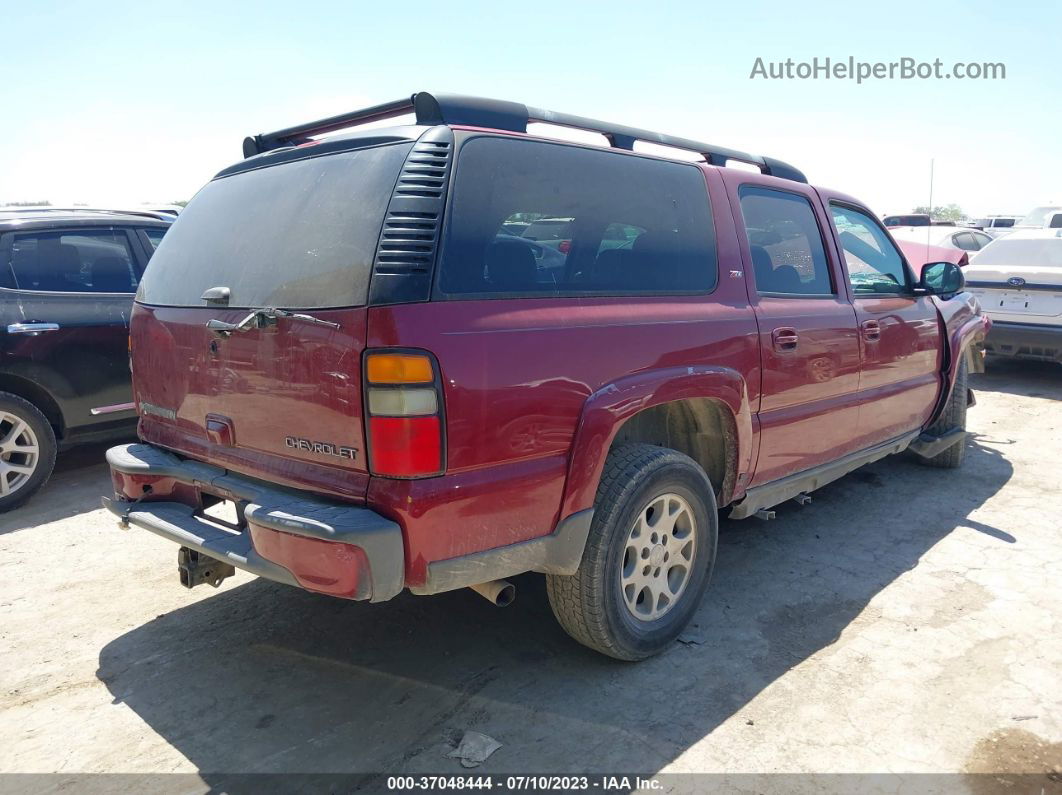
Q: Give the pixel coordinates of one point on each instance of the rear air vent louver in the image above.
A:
(408, 241)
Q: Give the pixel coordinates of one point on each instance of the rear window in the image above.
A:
(298, 235)
(1028, 252)
(542, 219)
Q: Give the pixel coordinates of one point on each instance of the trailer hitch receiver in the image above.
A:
(195, 568)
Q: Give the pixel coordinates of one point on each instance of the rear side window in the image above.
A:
(85, 261)
(785, 242)
(531, 218)
(297, 235)
(154, 237)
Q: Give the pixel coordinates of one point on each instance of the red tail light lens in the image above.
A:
(564, 246)
(403, 405)
(405, 446)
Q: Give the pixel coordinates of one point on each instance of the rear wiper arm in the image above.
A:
(304, 317)
(263, 318)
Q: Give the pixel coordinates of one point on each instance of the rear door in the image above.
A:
(281, 397)
(74, 289)
(809, 349)
(900, 333)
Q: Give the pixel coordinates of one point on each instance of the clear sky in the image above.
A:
(127, 102)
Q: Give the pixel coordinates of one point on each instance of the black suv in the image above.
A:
(67, 280)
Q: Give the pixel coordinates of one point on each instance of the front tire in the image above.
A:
(27, 450)
(648, 557)
(953, 416)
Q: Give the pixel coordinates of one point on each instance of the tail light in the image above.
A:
(403, 404)
(564, 246)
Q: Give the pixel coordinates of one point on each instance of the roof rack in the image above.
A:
(451, 109)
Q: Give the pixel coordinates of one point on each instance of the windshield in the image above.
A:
(298, 235)
(1038, 217)
(1036, 252)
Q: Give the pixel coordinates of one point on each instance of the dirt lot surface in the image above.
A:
(908, 621)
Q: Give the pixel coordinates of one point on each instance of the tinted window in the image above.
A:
(297, 235)
(89, 261)
(966, 241)
(1003, 222)
(154, 236)
(873, 262)
(788, 256)
(598, 222)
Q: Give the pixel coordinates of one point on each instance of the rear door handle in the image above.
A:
(33, 329)
(785, 338)
(871, 330)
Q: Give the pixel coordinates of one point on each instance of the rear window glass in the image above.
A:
(547, 219)
(86, 261)
(1029, 252)
(298, 235)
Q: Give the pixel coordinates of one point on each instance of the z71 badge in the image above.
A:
(323, 448)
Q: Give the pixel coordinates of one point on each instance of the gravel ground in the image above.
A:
(908, 621)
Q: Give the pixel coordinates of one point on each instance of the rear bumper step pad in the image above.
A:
(277, 509)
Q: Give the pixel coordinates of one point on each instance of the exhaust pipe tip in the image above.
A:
(500, 593)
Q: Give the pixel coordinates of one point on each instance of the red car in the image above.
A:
(921, 253)
(343, 337)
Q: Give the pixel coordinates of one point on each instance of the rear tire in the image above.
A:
(648, 557)
(953, 416)
(27, 450)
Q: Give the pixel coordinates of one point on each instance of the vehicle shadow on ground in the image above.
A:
(1016, 377)
(80, 478)
(265, 678)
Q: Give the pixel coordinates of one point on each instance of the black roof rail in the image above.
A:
(451, 109)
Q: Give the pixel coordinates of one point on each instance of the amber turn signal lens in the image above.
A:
(399, 368)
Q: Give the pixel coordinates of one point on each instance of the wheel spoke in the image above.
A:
(5, 487)
(16, 430)
(22, 469)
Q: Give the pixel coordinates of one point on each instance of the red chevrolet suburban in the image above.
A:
(349, 338)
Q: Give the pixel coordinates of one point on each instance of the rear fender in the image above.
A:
(607, 409)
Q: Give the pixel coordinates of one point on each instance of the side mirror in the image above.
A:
(941, 278)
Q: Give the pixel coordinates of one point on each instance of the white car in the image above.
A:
(995, 225)
(960, 237)
(1049, 217)
(1018, 281)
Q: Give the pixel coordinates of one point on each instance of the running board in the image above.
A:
(778, 491)
(929, 445)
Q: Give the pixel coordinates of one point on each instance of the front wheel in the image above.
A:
(27, 450)
(648, 557)
(953, 416)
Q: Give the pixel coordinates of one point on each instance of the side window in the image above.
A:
(788, 255)
(531, 218)
(154, 237)
(966, 241)
(874, 263)
(85, 261)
